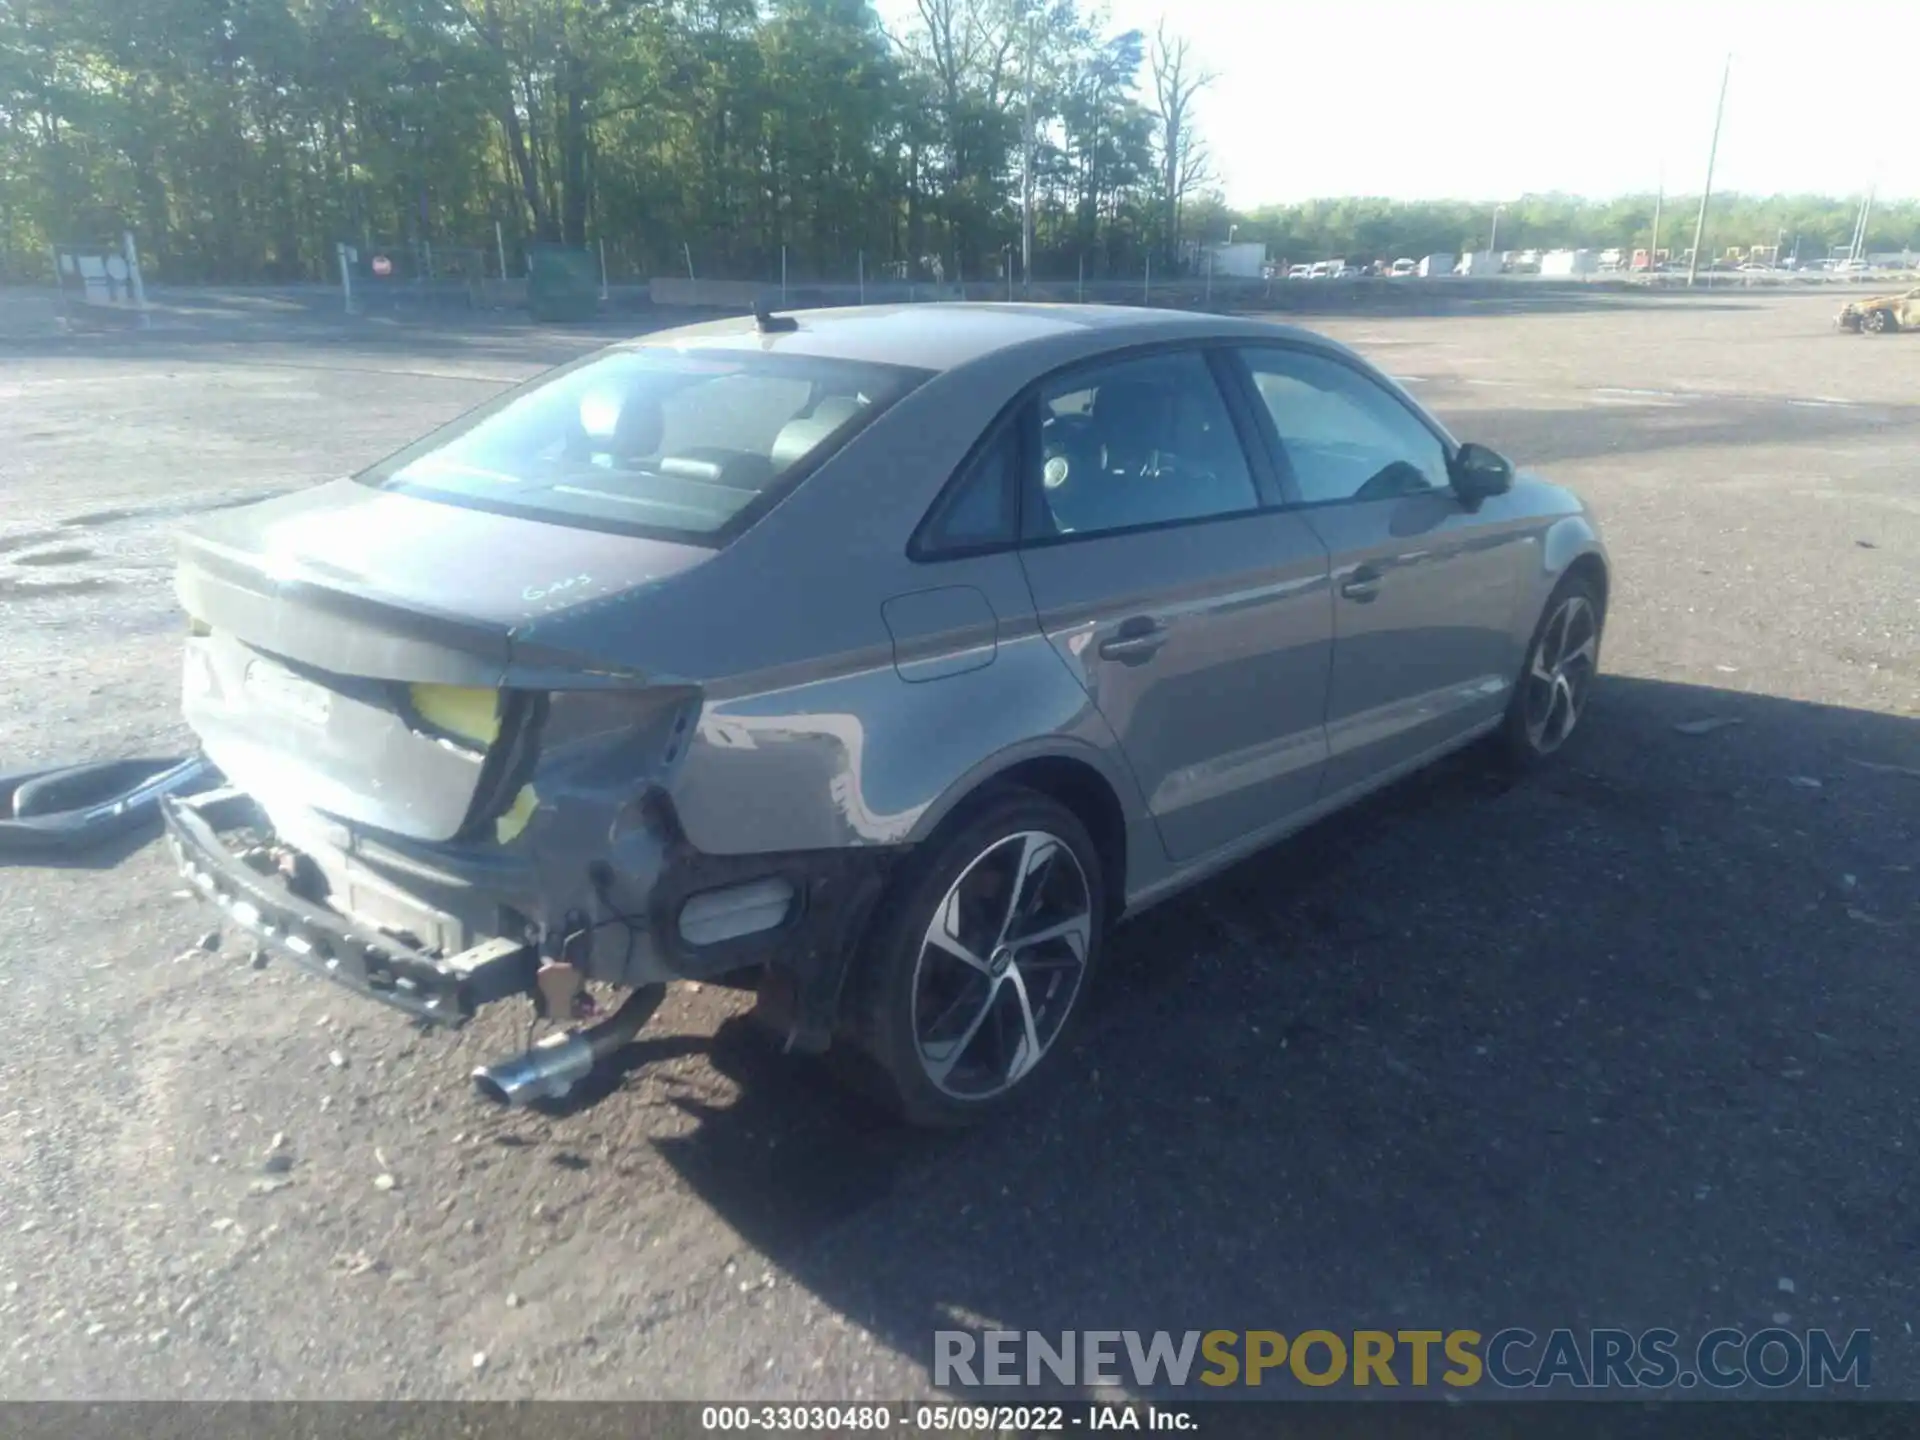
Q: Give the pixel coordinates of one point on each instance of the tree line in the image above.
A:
(242, 139)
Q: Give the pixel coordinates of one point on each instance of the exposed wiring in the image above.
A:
(584, 932)
(599, 877)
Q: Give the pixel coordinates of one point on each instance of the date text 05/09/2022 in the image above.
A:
(937, 1419)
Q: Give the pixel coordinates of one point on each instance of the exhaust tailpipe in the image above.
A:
(550, 1069)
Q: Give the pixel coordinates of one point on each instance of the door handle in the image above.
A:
(1137, 640)
(1363, 585)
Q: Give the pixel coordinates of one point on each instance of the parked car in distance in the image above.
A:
(890, 655)
(1325, 269)
(1404, 266)
(1300, 272)
(1879, 314)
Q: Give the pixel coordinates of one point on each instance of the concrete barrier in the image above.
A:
(723, 294)
(501, 294)
(1413, 295)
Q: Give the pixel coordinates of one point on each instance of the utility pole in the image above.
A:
(1026, 173)
(1866, 218)
(1659, 198)
(1706, 190)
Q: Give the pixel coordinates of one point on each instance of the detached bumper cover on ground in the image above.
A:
(73, 808)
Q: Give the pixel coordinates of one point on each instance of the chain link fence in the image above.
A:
(392, 275)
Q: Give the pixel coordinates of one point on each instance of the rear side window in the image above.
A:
(982, 507)
(686, 444)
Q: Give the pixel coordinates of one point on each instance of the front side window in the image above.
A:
(656, 440)
(1345, 437)
(1138, 442)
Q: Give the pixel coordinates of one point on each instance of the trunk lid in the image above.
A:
(345, 640)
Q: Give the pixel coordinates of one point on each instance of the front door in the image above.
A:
(1424, 588)
(1195, 613)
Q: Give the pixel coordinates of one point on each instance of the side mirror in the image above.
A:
(1479, 472)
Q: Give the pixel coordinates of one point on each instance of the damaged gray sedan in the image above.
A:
(888, 656)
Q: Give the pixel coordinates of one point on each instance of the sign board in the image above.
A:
(108, 276)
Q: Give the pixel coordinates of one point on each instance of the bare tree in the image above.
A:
(966, 47)
(1184, 166)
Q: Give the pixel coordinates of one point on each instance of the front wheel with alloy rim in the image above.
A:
(1557, 678)
(979, 959)
(1877, 322)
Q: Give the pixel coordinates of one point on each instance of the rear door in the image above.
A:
(1424, 588)
(1194, 611)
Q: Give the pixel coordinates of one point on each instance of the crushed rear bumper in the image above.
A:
(319, 939)
(643, 912)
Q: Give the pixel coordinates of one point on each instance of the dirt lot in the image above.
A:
(1629, 1044)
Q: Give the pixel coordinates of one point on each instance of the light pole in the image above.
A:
(1659, 199)
(1493, 235)
(1706, 190)
(1866, 219)
(1026, 171)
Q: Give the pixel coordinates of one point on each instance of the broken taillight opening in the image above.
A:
(468, 713)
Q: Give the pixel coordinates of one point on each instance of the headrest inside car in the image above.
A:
(797, 437)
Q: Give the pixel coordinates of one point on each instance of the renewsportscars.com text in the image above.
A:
(1512, 1359)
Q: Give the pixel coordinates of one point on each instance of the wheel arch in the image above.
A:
(1573, 546)
(1590, 566)
(1079, 777)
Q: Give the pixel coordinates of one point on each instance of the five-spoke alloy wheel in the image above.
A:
(1561, 664)
(1001, 965)
(980, 958)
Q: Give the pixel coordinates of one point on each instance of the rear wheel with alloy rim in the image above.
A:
(980, 958)
(1561, 664)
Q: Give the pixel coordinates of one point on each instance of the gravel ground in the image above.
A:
(1626, 1044)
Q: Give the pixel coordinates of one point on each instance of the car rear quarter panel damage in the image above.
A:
(850, 694)
(835, 701)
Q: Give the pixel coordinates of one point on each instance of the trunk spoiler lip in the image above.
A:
(522, 662)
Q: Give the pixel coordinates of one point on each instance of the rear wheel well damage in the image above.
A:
(1074, 784)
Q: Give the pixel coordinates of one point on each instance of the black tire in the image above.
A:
(1876, 322)
(890, 1006)
(1521, 741)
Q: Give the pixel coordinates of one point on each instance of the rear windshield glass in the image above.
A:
(688, 444)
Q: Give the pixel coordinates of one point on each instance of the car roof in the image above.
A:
(942, 335)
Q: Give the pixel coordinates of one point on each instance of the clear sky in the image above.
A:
(1488, 99)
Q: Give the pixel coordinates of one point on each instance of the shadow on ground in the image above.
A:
(1615, 1044)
